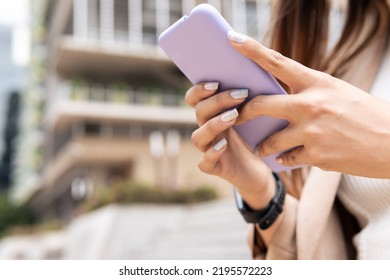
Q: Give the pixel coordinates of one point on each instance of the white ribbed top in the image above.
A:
(369, 199)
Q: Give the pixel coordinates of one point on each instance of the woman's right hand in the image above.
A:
(225, 154)
(333, 125)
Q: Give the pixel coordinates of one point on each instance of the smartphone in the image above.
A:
(199, 47)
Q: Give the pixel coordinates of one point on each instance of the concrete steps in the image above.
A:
(212, 230)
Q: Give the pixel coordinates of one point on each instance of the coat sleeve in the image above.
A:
(283, 244)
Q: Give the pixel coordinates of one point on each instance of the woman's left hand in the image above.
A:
(225, 154)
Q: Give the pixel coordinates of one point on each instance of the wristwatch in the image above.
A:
(264, 217)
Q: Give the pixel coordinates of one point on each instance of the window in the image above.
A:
(149, 22)
(121, 20)
(92, 129)
(175, 10)
(93, 19)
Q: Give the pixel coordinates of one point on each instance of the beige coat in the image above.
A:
(311, 227)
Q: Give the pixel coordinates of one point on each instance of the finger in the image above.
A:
(280, 141)
(294, 157)
(295, 75)
(214, 105)
(209, 162)
(205, 135)
(278, 106)
(199, 92)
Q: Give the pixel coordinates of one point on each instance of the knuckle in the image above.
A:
(313, 132)
(262, 150)
(188, 98)
(219, 99)
(313, 106)
(320, 159)
(195, 139)
(290, 159)
(213, 126)
(312, 155)
(322, 163)
(323, 79)
(316, 157)
(199, 113)
(276, 60)
(269, 145)
(253, 50)
(203, 166)
(256, 104)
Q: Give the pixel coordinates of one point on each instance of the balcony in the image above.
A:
(109, 39)
(98, 103)
(108, 60)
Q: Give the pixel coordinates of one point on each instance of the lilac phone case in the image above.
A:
(199, 46)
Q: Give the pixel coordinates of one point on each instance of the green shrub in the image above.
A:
(12, 215)
(199, 194)
(135, 192)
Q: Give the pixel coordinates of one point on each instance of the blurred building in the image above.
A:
(12, 80)
(111, 103)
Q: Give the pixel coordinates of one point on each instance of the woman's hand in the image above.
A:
(333, 124)
(225, 154)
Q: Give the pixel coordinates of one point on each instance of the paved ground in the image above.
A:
(213, 230)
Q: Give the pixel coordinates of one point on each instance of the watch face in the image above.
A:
(238, 199)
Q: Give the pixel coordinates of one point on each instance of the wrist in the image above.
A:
(267, 216)
(258, 198)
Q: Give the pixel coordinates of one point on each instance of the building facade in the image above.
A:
(12, 81)
(112, 104)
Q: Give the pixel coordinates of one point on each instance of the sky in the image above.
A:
(14, 12)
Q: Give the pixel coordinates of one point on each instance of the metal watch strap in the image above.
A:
(266, 216)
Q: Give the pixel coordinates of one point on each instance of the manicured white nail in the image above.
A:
(236, 37)
(211, 86)
(221, 143)
(229, 115)
(239, 93)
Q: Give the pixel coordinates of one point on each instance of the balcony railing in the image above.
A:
(139, 22)
(114, 95)
(107, 130)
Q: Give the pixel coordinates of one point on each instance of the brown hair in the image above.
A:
(299, 30)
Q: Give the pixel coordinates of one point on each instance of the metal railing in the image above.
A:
(121, 95)
(139, 22)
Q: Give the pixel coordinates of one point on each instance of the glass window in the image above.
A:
(93, 19)
(121, 20)
(175, 12)
(149, 22)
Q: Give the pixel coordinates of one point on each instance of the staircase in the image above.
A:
(209, 231)
(212, 230)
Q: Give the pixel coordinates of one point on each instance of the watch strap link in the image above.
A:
(275, 207)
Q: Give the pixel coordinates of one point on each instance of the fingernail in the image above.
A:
(279, 160)
(211, 86)
(221, 143)
(239, 93)
(229, 115)
(236, 37)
